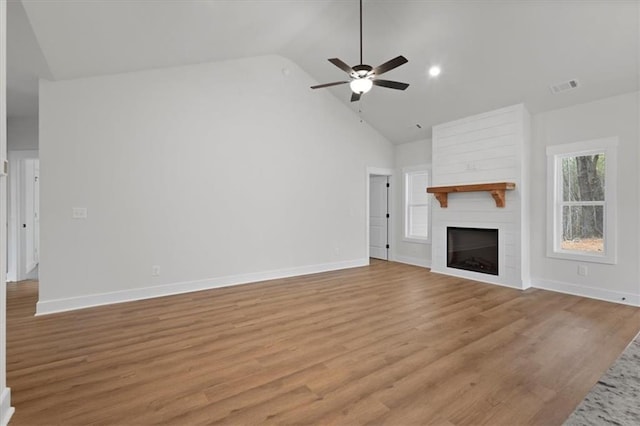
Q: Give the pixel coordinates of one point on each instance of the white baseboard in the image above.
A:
(6, 410)
(590, 292)
(80, 302)
(415, 261)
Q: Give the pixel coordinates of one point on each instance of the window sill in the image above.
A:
(582, 257)
(417, 240)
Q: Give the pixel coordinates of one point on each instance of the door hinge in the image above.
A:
(387, 215)
(388, 185)
(387, 245)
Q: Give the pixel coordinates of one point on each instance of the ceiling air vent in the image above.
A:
(564, 86)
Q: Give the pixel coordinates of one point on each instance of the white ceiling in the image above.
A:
(493, 53)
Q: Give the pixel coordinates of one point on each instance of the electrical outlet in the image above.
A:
(582, 270)
(155, 271)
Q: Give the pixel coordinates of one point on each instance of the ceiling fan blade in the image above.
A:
(355, 97)
(335, 83)
(344, 67)
(391, 84)
(389, 65)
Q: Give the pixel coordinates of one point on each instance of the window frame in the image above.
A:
(555, 203)
(406, 172)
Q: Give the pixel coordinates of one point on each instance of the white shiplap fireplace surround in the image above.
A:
(485, 148)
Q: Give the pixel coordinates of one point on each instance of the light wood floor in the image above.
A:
(384, 344)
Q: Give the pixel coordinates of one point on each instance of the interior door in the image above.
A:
(378, 220)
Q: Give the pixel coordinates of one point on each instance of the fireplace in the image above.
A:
(473, 249)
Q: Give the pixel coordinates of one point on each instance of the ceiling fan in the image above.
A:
(363, 77)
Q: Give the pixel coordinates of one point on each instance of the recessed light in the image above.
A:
(434, 71)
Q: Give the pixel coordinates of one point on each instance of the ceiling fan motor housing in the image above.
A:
(362, 71)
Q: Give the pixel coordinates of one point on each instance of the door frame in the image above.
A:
(379, 171)
(16, 190)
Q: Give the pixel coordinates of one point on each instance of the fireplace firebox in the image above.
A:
(473, 249)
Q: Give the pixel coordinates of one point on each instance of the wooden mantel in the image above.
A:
(496, 189)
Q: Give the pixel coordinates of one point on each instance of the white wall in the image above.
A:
(407, 155)
(5, 393)
(219, 173)
(615, 116)
(22, 134)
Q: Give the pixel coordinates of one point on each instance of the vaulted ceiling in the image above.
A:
(492, 53)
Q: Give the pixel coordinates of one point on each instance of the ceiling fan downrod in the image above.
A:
(361, 32)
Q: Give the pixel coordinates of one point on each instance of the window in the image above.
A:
(581, 186)
(417, 204)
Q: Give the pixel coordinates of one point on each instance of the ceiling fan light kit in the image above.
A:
(361, 85)
(364, 77)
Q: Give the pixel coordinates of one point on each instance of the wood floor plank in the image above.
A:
(383, 344)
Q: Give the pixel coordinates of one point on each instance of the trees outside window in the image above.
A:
(582, 200)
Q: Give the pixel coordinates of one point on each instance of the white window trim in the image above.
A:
(405, 171)
(554, 215)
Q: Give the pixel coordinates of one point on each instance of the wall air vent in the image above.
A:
(564, 86)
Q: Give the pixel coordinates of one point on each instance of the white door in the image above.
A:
(378, 220)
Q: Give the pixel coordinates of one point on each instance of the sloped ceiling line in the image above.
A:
(492, 54)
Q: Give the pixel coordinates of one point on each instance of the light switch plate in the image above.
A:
(79, 213)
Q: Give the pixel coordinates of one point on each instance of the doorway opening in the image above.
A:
(23, 242)
(379, 229)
